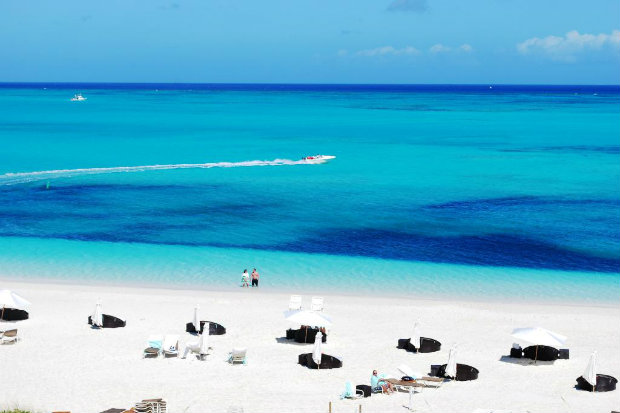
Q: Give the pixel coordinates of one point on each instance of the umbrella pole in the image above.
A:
(536, 355)
(2, 316)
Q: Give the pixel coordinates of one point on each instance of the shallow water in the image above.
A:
(435, 191)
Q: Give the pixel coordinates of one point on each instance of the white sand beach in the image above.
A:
(61, 364)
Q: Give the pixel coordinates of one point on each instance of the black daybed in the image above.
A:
(215, 329)
(304, 335)
(13, 314)
(427, 345)
(603, 383)
(109, 321)
(463, 372)
(327, 361)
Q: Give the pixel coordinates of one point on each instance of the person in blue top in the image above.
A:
(377, 382)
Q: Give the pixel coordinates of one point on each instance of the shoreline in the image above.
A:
(160, 288)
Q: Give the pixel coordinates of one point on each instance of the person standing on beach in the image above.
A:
(245, 279)
(255, 277)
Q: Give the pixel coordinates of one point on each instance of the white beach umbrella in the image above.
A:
(308, 318)
(590, 373)
(539, 336)
(316, 352)
(9, 299)
(196, 321)
(451, 366)
(97, 317)
(415, 338)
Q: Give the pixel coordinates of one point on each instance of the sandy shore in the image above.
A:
(62, 364)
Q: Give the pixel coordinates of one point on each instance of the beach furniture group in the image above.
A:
(313, 329)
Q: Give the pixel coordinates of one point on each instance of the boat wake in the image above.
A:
(13, 178)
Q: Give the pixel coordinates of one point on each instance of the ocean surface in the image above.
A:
(503, 192)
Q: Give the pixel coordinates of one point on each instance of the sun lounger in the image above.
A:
(295, 303)
(541, 353)
(350, 393)
(419, 377)
(153, 346)
(150, 406)
(9, 337)
(317, 304)
(237, 355)
(170, 348)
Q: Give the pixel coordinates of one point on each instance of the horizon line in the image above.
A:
(298, 83)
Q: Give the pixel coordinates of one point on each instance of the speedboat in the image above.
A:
(317, 158)
(78, 98)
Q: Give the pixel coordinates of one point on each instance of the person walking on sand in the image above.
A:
(255, 277)
(245, 279)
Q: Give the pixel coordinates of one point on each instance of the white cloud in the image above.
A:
(466, 48)
(439, 48)
(566, 48)
(388, 50)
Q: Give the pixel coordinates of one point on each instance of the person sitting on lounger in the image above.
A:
(377, 382)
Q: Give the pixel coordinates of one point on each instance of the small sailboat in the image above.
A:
(78, 98)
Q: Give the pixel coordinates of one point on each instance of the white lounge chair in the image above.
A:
(295, 303)
(9, 337)
(317, 304)
(200, 348)
(170, 347)
(237, 355)
(153, 346)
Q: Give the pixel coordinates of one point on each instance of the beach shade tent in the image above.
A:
(307, 319)
(540, 337)
(316, 352)
(15, 304)
(591, 381)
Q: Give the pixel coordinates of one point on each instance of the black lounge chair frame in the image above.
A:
(109, 321)
(603, 383)
(215, 329)
(463, 372)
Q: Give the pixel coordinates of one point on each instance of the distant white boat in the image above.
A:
(317, 158)
(78, 98)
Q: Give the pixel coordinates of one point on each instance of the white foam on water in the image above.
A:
(12, 178)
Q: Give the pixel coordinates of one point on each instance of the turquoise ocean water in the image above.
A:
(467, 191)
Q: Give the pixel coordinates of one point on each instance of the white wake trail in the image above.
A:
(13, 178)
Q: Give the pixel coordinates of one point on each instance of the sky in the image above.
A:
(311, 41)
